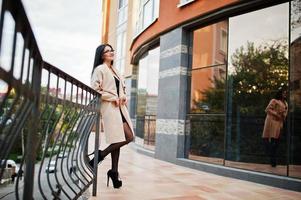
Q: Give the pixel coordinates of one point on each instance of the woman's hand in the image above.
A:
(116, 102)
(278, 117)
(123, 100)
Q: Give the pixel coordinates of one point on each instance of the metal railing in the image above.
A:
(146, 129)
(150, 129)
(46, 118)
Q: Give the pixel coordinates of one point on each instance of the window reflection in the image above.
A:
(295, 97)
(207, 93)
(207, 138)
(208, 90)
(257, 68)
(209, 69)
(147, 97)
(209, 45)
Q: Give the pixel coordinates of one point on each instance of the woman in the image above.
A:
(276, 114)
(116, 120)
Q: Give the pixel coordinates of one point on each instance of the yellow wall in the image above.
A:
(109, 34)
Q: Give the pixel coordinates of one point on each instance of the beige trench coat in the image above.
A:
(103, 81)
(276, 114)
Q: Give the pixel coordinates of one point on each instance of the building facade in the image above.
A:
(200, 74)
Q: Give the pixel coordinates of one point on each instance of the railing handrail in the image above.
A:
(16, 9)
(68, 77)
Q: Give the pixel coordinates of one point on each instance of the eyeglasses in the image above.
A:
(107, 51)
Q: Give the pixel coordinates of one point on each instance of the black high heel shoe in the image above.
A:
(115, 179)
(100, 158)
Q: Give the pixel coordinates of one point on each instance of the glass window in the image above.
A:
(257, 69)
(147, 97)
(120, 51)
(156, 8)
(206, 138)
(122, 3)
(208, 70)
(224, 36)
(207, 99)
(148, 11)
(208, 90)
(295, 90)
(122, 11)
(207, 44)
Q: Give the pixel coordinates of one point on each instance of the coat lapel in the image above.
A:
(119, 76)
(116, 72)
(121, 85)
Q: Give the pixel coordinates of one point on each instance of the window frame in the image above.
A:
(201, 22)
(140, 27)
(123, 9)
(223, 46)
(183, 3)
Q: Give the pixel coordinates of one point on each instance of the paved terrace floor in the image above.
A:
(148, 178)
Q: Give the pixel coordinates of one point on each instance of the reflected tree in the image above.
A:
(255, 75)
(295, 14)
(258, 72)
(213, 97)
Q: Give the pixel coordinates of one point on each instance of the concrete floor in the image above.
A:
(148, 178)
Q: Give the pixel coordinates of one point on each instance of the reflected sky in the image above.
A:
(296, 19)
(149, 72)
(142, 77)
(259, 27)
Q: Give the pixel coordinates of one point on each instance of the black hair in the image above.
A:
(98, 60)
(279, 93)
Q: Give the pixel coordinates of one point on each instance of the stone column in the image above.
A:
(172, 96)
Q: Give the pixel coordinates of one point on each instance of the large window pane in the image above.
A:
(206, 138)
(209, 45)
(208, 90)
(147, 97)
(141, 97)
(295, 81)
(207, 98)
(257, 69)
(120, 51)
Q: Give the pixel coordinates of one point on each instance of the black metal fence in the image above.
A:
(46, 119)
(146, 128)
(150, 129)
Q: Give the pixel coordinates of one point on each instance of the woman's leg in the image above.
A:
(115, 147)
(266, 144)
(115, 158)
(274, 147)
(128, 136)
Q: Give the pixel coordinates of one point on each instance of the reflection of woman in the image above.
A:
(276, 114)
(116, 120)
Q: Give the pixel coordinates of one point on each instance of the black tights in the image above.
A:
(114, 148)
(274, 146)
(271, 148)
(115, 158)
